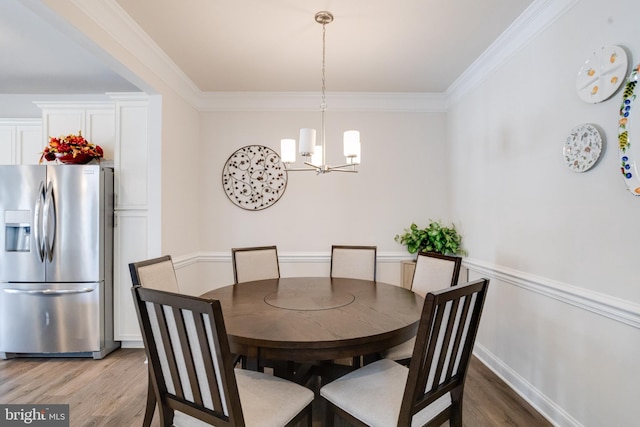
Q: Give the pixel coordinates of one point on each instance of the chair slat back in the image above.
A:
(444, 342)
(189, 357)
(256, 263)
(156, 273)
(435, 271)
(353, 262)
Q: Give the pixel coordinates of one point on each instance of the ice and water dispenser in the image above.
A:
(17, 229)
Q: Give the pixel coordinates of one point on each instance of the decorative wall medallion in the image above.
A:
(254, 177)
(582, 148)
(628, 145)
(602, 74)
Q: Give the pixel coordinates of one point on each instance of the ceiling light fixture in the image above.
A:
(315, 155)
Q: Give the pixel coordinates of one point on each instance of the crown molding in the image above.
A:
(533, 21)
(111, 18)
(310, 101)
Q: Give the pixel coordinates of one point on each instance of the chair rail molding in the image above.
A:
(604, 305)
(284, 257)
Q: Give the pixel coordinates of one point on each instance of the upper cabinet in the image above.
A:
(120, 128)
(20, 141)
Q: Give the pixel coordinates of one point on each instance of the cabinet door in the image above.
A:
(6, 144)
(62, 122)
(100, 129)
(131, 157)
(130, 245)
(29, 144)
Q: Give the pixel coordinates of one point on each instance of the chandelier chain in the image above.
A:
(324, 54)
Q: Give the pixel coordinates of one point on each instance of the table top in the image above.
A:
(316, 318)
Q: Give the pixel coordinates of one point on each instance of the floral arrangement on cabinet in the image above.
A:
(71, 149)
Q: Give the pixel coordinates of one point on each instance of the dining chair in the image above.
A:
(255, 263)
(155, 273)
(433, 271)
(353, 262)
(192, 368)
(428, 392)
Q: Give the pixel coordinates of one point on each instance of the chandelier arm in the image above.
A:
(310, 169)
(348, 167)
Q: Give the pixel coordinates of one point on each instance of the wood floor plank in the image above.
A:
(112, 392)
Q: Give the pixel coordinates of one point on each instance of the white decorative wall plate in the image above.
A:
(254, 177)
(602, 74)
(582, 148)
(628, 145)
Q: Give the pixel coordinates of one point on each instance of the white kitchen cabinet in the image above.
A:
(130, 242)
(131, 155)
(20, 141)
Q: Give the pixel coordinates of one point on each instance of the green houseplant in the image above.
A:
(434, 238)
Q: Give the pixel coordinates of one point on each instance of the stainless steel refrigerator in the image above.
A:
(56, 261)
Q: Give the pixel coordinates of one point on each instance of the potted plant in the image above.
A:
(434, 238)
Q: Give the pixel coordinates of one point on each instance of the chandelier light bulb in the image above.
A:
(288, 150)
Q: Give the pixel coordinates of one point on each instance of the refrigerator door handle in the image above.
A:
(48, 291)
(37, 221)
(49, 219)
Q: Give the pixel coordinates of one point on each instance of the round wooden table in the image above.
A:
(307, 319)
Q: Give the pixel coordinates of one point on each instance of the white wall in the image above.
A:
(561, 321)
(400, 180)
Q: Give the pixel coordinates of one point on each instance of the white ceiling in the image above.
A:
(256, 45)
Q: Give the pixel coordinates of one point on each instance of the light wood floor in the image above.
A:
(112, 391)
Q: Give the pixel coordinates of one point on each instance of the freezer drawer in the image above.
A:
(50, 317)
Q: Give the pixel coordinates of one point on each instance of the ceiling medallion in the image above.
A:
(254, 177)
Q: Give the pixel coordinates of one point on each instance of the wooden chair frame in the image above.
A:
(135, 269)
(445, 355)
(373, 249)
(217, 363)
(456, 260)
(236, 251)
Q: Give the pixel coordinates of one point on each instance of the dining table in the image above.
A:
(314, 319)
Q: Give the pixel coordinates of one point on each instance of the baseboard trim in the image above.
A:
(534, 397)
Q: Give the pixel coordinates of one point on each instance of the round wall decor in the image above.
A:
(582, 148)
(602, 74)
(254, 177)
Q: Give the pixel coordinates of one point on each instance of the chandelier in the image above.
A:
(315, 155)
